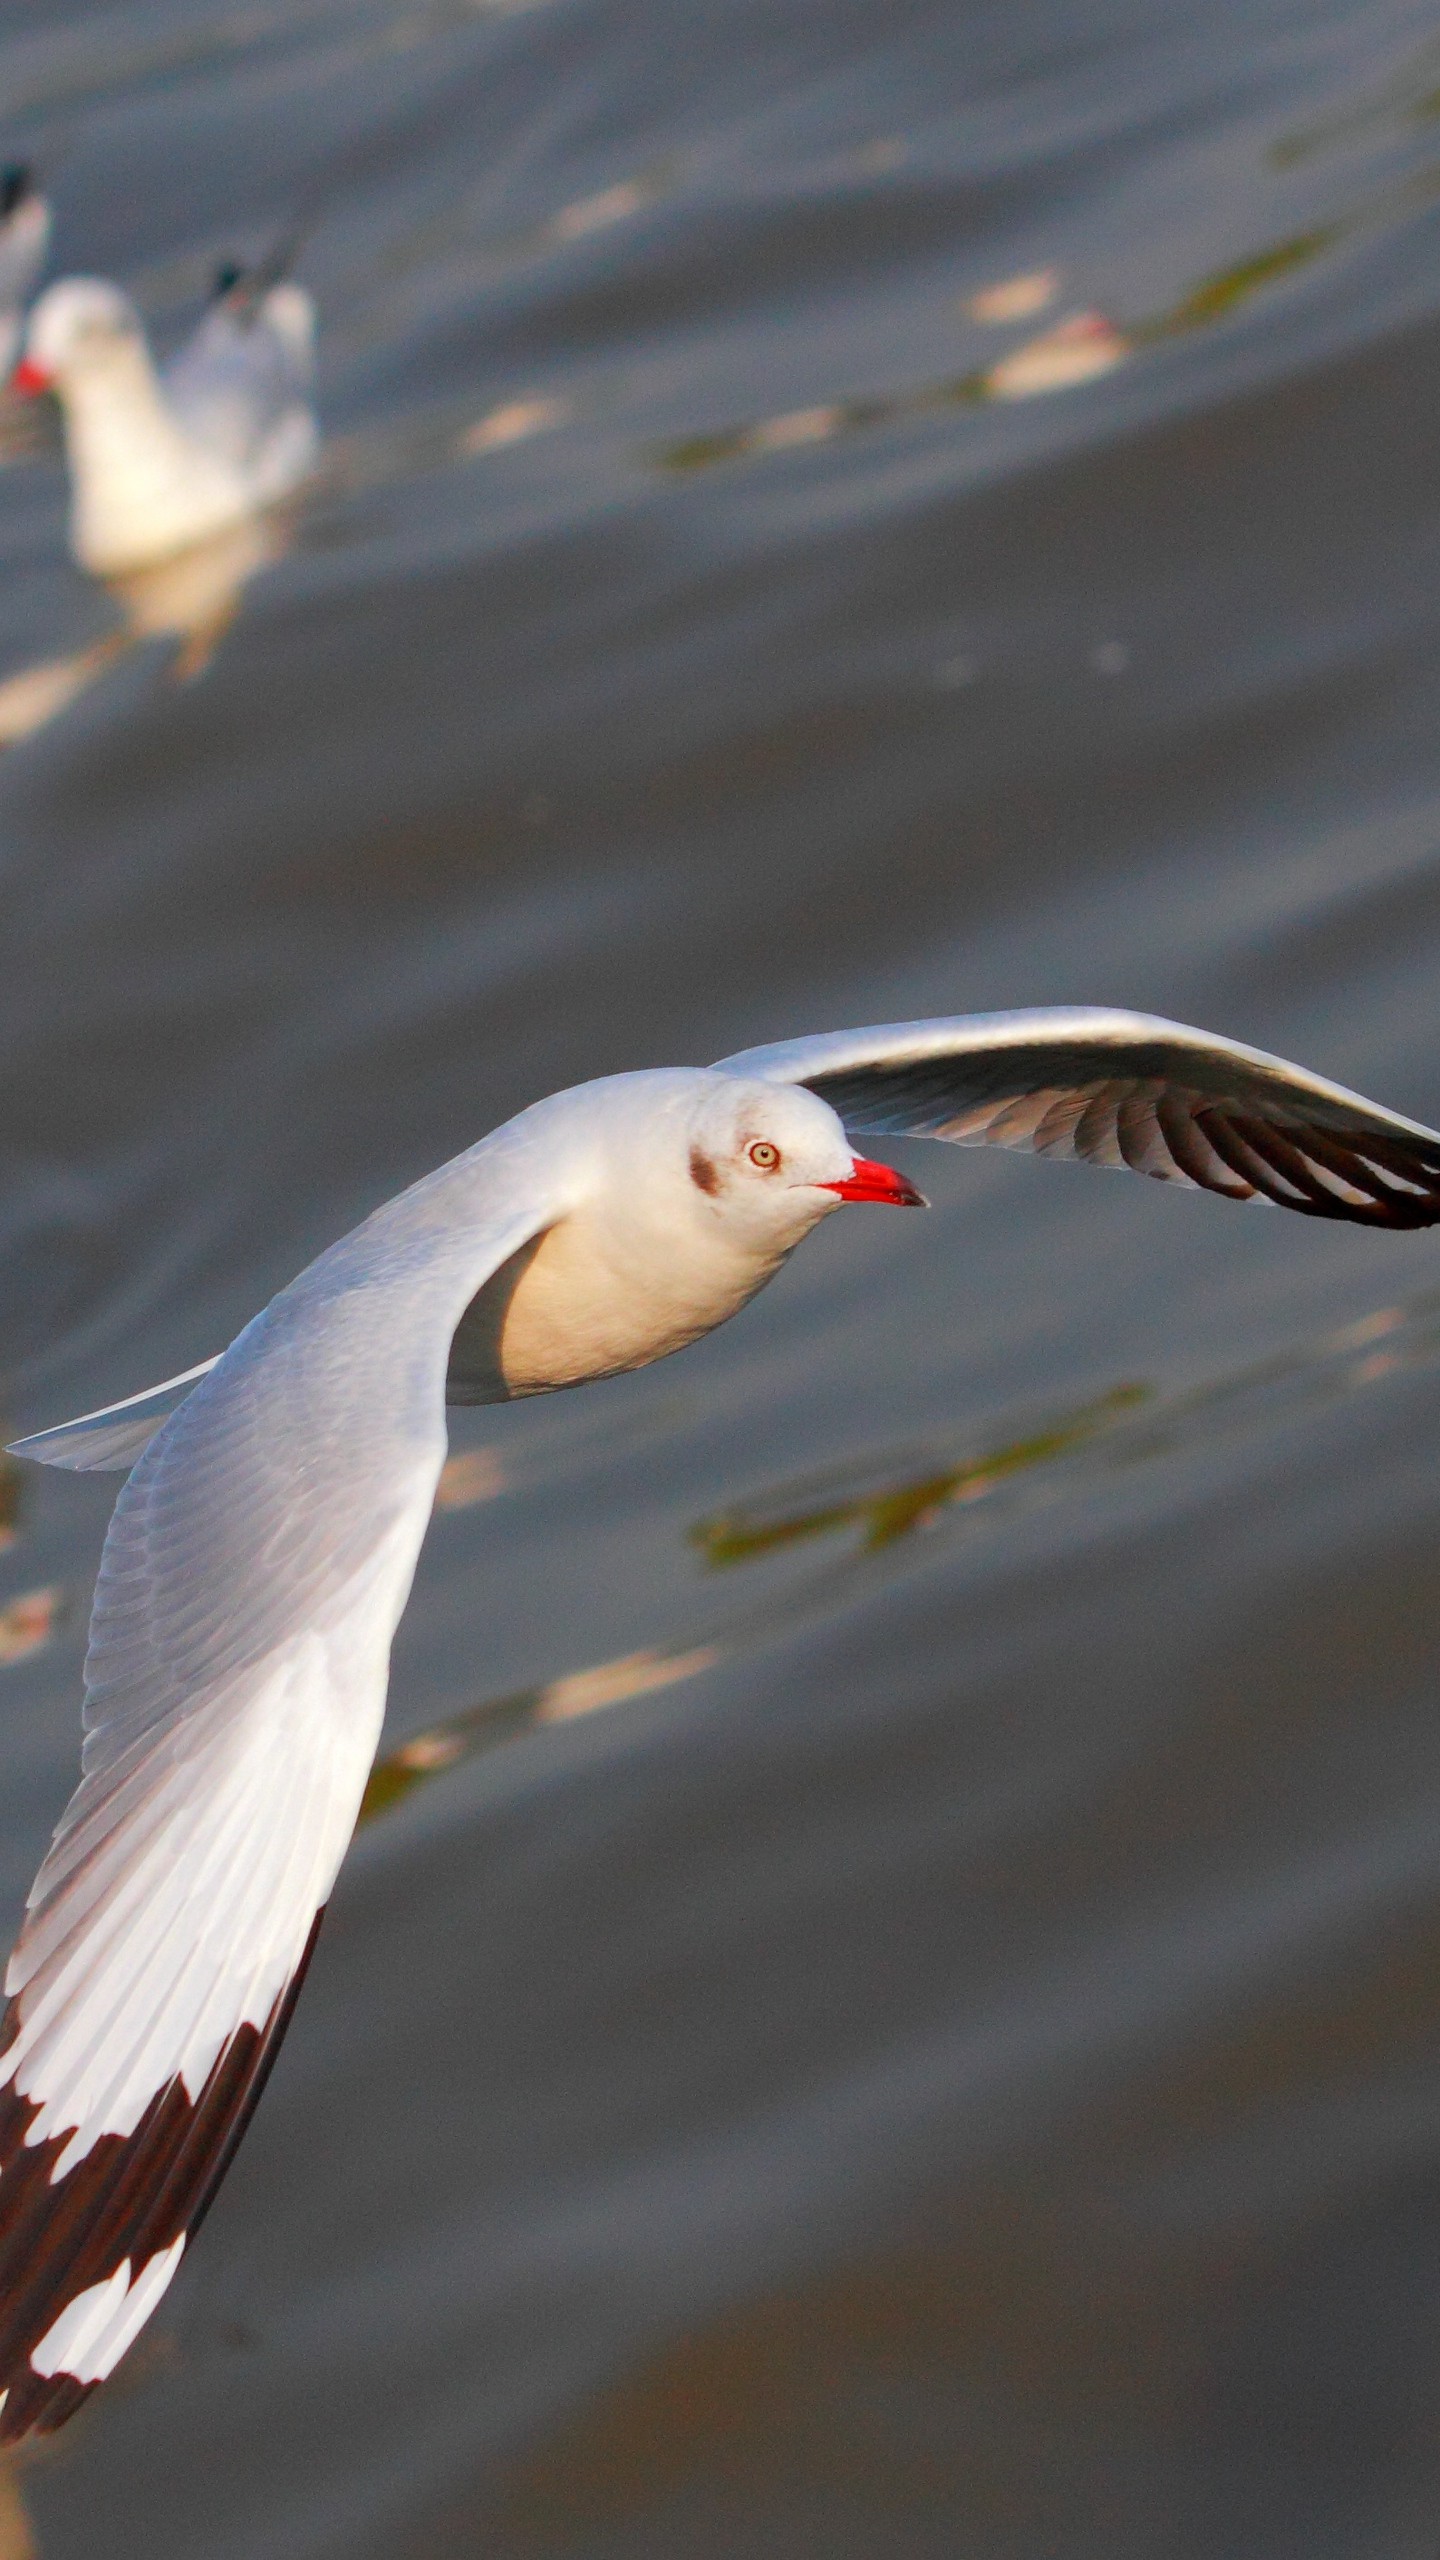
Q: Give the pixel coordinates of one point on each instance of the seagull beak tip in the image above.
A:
(880, 1183)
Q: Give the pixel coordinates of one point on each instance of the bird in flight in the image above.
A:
(262, 1549)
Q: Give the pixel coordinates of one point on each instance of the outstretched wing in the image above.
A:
(112, 1437)
(256, 1566)
(1124, 1089)
(245, 377)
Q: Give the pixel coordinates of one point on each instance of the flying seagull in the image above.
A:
(160, 461)
(262, 1549)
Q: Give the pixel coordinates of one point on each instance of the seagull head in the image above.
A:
(77, 331)
(766, 1162)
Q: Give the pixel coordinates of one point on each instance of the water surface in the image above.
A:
(887, 2001)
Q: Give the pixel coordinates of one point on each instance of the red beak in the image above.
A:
(877, 1182)
(29, 379)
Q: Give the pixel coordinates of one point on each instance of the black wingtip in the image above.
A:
(17, 183)
(129, 2198)
(247, 287)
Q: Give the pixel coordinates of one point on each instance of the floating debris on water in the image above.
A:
(579, 1693)
(1220, 294)
(797, 426)
(1076, 350)
(883, 1508)
(511, 423)
(1018, 298)
(1082, 348)
(494, 1720)
(596, 213)
(28, 1623)
(1130, 1425)
(895, 1510)
(777, 435)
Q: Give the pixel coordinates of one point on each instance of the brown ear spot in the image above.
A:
(702, 1172)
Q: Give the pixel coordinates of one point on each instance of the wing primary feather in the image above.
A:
(1055, 1133)
(1241, 1157)
(1192, 1150)
(1124, 1088)
(1364, 1161)
(1137, 1131)
(1382, 1204)
(1095, 1131)
(160, 1993)
(223, 2114)
(130, 2198)
(1289, 1153)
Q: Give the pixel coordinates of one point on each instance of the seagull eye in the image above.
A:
(764, 1155)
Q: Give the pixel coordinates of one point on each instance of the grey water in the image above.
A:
(888, 2001)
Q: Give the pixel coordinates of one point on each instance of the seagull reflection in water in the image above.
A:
(185, 605)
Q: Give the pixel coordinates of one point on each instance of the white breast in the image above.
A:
(595, 1296)
(141, 487)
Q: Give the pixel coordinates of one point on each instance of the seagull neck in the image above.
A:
(116, 404)
(138, 479)
(418, 1259)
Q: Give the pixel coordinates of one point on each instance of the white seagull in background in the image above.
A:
(160, 461)
(262, 1550)
(24, 239)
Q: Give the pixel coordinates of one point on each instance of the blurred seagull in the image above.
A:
(161, 461)
(262, 1550)
(186, 602)
(24, 239)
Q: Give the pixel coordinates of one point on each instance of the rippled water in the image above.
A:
(887, 1999)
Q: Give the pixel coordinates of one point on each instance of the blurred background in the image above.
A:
(886, 2000)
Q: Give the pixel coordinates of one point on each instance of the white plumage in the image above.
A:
(262, 1550)
(161, 461)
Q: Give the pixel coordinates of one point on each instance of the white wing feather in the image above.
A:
(113, 1436)
(241, 387)
(256, 1567)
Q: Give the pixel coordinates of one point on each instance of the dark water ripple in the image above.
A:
(892, 2004)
